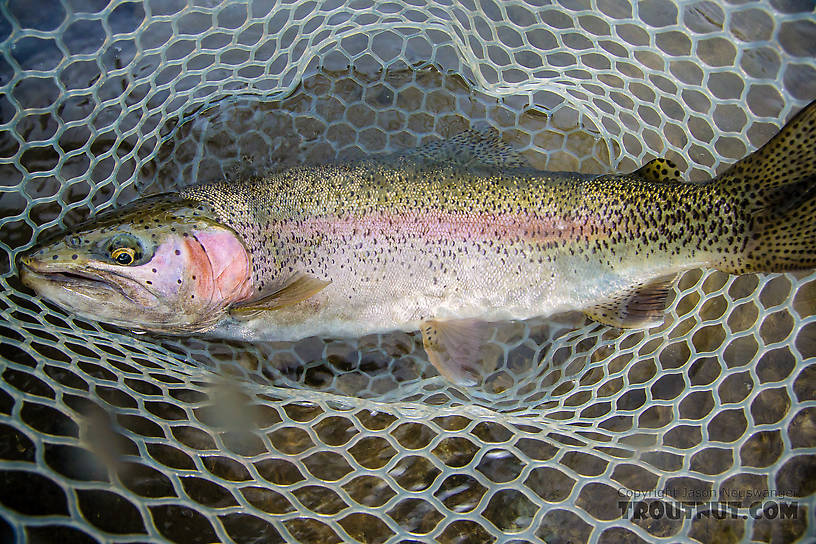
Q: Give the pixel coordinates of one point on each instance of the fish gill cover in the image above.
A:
(700, 428)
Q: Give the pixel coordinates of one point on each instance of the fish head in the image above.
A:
(162, 264)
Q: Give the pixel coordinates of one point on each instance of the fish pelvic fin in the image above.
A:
(454, 347)
(641, 307)
(776, 188)
(299, 288)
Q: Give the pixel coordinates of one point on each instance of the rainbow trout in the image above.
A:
(441, 239)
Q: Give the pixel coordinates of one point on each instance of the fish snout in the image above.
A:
(46, 261)
(26, 261)
(32, 260)
(25, 269)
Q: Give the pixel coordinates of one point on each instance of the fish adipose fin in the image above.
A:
(659, 170)
(776, 187)
(300, 287)
(641, 307)
(472, 148)
(454, 348)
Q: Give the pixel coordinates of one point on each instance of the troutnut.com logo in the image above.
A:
(699, 503)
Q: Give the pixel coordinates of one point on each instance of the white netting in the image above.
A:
(105, 436)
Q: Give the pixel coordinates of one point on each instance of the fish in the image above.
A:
(443, 239)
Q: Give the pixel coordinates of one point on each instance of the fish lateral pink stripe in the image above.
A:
(466, 227)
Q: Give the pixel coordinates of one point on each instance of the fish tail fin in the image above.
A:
(775, 189)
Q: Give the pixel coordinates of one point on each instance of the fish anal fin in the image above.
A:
(454, 347)
(662, 170)
(300, 287)
(641, 307)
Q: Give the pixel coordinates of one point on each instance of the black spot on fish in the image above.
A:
(178, 252)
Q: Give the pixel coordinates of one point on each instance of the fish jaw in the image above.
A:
(85, 290)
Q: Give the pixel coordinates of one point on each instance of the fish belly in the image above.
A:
(410, 284)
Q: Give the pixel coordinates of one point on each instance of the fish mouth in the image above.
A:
(70, 277)
(33, 273)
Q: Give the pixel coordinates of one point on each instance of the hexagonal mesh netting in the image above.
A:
(116, 437)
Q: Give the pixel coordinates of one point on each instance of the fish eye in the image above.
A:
(124, 249)
(124, 255)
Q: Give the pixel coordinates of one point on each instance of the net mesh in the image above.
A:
(109, 436)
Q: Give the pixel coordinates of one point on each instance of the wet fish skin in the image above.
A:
(448, 237)
(403, 245)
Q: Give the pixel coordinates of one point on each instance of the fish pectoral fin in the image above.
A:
(659, 170)
(641, 307)
(300, 287)
(454, 348)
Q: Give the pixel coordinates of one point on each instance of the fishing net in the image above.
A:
(702, 428)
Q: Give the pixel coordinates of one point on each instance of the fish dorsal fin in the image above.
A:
(454, 348)
(659, 170)
(300, 287)
(640, 307)
(467, 149)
